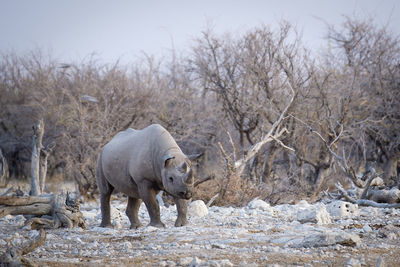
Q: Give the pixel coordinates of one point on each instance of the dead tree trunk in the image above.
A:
(43, 165)
(38, 131)
(391, 176)
(3, 170)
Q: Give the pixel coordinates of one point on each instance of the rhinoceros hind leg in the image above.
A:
(105, 206)
(132, 211)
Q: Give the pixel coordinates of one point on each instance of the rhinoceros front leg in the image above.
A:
(148, 195)
(132, 211)
(181, 207)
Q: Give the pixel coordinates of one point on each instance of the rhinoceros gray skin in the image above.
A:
(140, 163)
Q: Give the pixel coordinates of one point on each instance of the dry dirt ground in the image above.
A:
(255, 235)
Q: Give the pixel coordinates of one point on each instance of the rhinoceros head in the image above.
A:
(177, 176)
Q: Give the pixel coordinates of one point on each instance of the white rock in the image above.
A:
(303, 204)
(8, 217)
(320, 239)
(392, 236)
(286, 211)
(19, 220)
(367, 228)
(149, 229)
(166, 264)
(198, 209)
(259, 204)
(342, 209)
(314, 214)
(117, 224)
(76, 251)
(185, 261)
(94, 245)
(127, 245)
(196, 262)
(353, 263)
(78, 240)
(273, 249)
(103, 230)
(380, 262)
(220, 263)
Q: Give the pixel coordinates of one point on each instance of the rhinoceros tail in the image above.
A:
(100, 177)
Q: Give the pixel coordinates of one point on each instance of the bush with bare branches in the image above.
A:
(269, 119)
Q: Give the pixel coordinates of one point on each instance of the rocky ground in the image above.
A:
(335, 234)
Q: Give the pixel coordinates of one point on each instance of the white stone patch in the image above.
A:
(302, 204)
(342, 209)
(260, 205)
(286, 212)
(367, 228)
(314, 214)
(103, 230)
(198, 208)
(91, 214)
(149, 229)
(319, 239)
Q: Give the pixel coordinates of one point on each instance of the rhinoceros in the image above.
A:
(140, 163)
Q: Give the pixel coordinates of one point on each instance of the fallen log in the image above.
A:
(63, 211)
(33, 209)
(21, 201)
(390, 196)
(364, 202)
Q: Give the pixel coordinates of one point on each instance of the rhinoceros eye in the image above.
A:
(171, 179)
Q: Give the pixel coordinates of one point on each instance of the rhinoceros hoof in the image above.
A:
(136, 225)
(106, 225)
(181, 222)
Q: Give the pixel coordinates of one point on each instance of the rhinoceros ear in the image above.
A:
(195, 157)
(167, 159)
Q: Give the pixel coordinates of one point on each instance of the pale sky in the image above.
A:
(123, 29)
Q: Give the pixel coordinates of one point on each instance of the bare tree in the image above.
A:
(370, 59)
(256, 78)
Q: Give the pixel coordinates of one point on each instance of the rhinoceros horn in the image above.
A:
(189, 179)
(183, 168)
